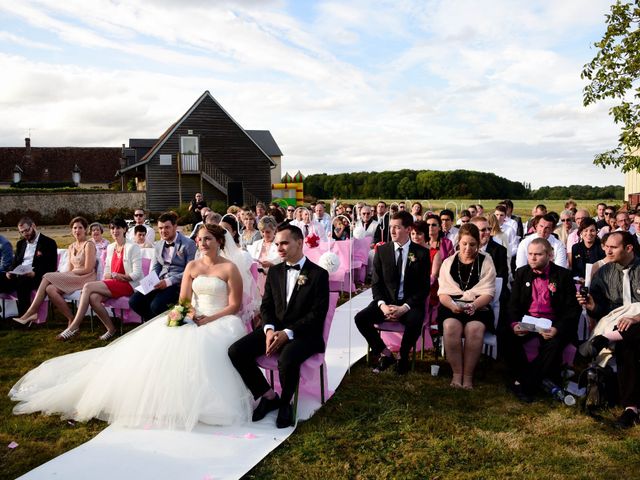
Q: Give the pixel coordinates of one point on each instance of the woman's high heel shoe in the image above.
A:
(25, 320)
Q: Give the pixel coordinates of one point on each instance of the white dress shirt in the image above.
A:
(292, 280)
(30, 252)
(560, 251)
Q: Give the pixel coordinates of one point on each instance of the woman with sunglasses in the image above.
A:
(567, 226)
(440, 248)
(122, 273)
(80, 269)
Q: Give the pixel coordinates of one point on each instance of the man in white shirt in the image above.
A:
(512, 239)
(451, 232)
(365, 225)
(543, 230)
(321, 217)
(139, 218)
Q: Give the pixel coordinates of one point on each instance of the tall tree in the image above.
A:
(614, 74)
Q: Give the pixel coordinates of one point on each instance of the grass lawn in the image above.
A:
(374, 427)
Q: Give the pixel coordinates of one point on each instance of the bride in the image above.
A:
(157, 376)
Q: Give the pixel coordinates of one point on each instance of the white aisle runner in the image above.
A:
(207, 452)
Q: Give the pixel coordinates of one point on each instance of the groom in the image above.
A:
(293, 310)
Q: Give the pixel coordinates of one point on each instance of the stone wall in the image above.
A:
(76, 202)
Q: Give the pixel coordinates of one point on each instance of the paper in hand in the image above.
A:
(22, 270)
(148, 283)
(534, 324)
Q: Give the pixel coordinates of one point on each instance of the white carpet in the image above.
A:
(207, 452)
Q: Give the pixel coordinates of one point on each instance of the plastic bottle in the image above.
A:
(558, 393)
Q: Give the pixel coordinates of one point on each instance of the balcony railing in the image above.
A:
(189, 162)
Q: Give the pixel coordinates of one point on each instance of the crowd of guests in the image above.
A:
(448, 267)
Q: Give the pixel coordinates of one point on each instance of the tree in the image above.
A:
(614, 73)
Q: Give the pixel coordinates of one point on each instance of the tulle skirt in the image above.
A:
(155, 376)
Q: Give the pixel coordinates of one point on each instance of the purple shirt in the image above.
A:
(541, 296)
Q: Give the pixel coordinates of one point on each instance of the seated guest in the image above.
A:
(213, 218)
(614, 285)
(446, 223)
(600, 217)
(122, 273)
(566, 227)
(464, 217)
(96, 230)
(230, 223)
(508, 227)
(289, 214)
(382, 217)
(467, 286)
(311, 227)
(496, 232)
(139, 218)
(416, 211)
(587, 250)
(6, 255)
(436, 239)
(623, 222)
(609, 222)
(81, 268)
(400, 285)
(574, 237)
(365, 226)
(514, 221)
(250, 233)
(544, 290)
(34, 250)
(261, 211)
(543, 230)
(264, 251)
(140, 237)
(473, 211)
(498, 253)
(479, 209)
(537, 211)
(172, 253)
(420, 235)
(341, 229)
(322, 217)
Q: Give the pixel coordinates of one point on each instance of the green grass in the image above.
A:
(374, 427)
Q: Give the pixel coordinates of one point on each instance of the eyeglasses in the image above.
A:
(464, 221)
(566, 220)
(138, 214)
(485, 229)
(608, 213)
(401, 207)
(432, 225)
(25, 231)
(291, 209)
(365, 213)
(349, 211)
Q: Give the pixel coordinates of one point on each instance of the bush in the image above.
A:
(12, 217)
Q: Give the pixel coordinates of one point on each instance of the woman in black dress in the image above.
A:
(587, 250)
(467, 286)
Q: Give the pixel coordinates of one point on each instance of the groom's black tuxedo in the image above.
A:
(304, 315)
(384, 284)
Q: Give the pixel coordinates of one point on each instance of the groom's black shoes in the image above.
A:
(285, 416)
(265, 406)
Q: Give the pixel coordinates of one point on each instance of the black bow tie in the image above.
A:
(543, 275)
(169, 245)
(293, 267)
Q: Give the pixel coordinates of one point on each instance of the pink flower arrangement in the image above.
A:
(552, 287)
(312, 240)
(177, 314)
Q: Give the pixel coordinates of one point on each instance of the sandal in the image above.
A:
(67, 334)
(107, 336)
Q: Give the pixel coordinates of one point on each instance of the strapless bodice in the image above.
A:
(210, 294)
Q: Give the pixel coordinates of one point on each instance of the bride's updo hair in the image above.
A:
(217, 232)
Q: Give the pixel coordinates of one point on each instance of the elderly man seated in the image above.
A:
(614, 300)
(540, 289)
(544, 228)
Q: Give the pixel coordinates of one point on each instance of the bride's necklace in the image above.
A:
(465, 285)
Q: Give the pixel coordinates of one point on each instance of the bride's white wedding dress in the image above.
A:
(155, 376)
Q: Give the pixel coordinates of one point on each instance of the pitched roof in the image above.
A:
(54, 164)
(163, 138)
(265, 141)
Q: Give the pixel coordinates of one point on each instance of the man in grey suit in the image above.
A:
(172, 253)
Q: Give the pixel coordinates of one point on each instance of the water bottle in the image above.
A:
(558, 393)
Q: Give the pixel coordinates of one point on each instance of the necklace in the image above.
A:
(465, 285)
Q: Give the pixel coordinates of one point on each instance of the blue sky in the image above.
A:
(342, 85)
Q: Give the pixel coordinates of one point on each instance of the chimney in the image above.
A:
(123, 158)
(27, 145)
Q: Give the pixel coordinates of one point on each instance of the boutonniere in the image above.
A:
(412, 257)
(552, 287)
(38, 253)
(302, 280)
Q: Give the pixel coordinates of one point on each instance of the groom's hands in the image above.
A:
(275, 341)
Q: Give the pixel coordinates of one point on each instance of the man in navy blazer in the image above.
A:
(172, 253)
(400, 284)
(35, 250)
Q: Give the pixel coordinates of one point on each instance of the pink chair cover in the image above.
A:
(393, 331)
(122, 303)
(310, 369)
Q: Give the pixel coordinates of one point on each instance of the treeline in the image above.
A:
(413, 184)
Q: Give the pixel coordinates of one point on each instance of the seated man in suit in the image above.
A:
(172, 253)
(293, 310)
(34, 250)
(544, 290)
(400, 284)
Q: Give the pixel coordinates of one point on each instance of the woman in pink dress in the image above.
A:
(81, 268)
(122, 272)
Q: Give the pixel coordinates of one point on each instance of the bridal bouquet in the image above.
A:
(179, 312)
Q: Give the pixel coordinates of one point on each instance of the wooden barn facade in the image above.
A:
(206, 151)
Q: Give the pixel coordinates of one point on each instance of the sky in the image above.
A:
(349, 85)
